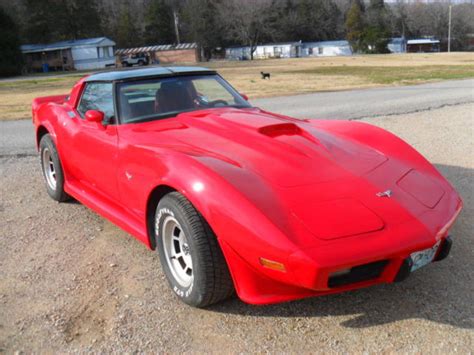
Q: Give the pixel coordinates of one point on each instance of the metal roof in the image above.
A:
(162, 47)
(125, 74)
(422, 41)
(341, 43)
(31, 48)
(397, 40)
(266, 44)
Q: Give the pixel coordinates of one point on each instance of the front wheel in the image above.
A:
(190, 254)
(52, 169)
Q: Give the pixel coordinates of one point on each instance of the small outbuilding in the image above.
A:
(81, 54)
(423, 45)
(326, 49)
(397, 45)
(165, 53)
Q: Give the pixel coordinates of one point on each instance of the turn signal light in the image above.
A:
(443, 231)
(274, 265)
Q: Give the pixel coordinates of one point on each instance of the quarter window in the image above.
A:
(97, 96)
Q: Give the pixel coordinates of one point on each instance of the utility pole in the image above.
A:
(176, 27)
(449, 29)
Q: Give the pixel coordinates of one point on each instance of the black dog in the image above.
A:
(265, 75)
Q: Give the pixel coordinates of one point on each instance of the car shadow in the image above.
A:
(440, 292)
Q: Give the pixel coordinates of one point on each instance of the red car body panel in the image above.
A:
(298, 192)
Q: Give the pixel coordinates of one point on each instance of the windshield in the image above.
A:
(166, 97)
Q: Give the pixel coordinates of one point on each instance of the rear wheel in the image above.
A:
(190, 254)
(52, 169)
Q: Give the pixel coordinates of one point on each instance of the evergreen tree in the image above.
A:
(202, 25)
(55, 20)
(42, 20)
(376, 35)
(159, 22)
(126, 31)
(355, 26)
(10, 58)
(80, 19)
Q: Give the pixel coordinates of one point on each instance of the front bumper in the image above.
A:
(317, 271)
(442, 253)
(338, 265)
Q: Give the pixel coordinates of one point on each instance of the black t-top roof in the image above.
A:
(138, 73)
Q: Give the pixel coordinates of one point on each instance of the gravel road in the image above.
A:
(72, 282)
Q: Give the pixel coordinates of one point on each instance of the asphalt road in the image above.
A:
(357, 104)
(16, 137)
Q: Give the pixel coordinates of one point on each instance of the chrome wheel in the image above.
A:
(177, 252)
(48, 168)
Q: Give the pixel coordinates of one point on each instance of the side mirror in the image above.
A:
(94, 116)
(245, 97)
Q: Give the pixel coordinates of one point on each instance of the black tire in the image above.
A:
(211, 280)
(47, 146)
(141, 63)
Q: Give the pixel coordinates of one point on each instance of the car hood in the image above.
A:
(294, 172)
(285, 152)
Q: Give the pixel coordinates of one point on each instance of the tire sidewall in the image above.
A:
(190, 295)
(47, 142)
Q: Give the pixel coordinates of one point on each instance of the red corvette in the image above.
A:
(236, 198)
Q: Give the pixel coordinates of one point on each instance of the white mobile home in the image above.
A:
(326, 49)
(265, 51)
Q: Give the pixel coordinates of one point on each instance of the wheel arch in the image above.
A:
(40, 132)
(153, 199)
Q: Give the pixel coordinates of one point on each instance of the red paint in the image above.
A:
(297, 192)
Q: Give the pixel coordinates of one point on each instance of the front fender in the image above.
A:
(379, 139)
(244, 231)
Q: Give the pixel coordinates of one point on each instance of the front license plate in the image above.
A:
(424, 257)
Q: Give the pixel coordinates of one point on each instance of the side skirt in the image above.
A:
(113, 212)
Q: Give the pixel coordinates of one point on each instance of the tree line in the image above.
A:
(219, 23)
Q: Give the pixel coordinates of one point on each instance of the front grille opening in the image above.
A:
(357, 274)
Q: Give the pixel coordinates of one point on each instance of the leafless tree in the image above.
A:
(245, 20)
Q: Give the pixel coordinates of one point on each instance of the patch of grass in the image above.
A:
(16, 96)
(395, 75)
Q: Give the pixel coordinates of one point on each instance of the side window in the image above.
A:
(97, 96)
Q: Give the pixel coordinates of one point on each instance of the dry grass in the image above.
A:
(16, 97)
(303, 75)
(289, 76)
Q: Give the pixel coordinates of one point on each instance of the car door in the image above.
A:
(92, 145)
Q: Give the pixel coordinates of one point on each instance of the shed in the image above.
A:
(397, 45)
(164, 53)
(327, 49)
(423, 45)
(81, 54)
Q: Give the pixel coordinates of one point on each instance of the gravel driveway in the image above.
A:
(71, 281)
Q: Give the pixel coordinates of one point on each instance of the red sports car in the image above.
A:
(235, 198)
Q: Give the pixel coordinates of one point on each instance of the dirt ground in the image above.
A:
(288, 76)
(72, 282)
